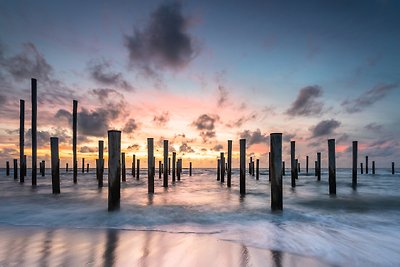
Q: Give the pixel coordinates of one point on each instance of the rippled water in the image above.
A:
(355, 228)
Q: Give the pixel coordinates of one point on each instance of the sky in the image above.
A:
(199, 73)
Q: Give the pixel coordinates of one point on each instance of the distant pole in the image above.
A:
(297, 168)
(229, 174)
(242, 166)
(150, 162)
(190, 169)
(257, 169)
(332, 166)
(74, 139)
(293, 162)
(269, 166)
(392, 167)
(366, 164)
(173, 166)
(169, 166)
(123, 167)
(283, 168)
(179, 168)
(354, 172)
(319, 166)
(276, 171)
(373, 167)
(87, 167)
(34, 130)
(133, 165)
(361, 168)
(114, 169)
(15, 169)
(22, 163)
(306, 165)
(8, 168)
(100, 167)
(25, 165)
(159, 169)
(222, 167)
(253, 168)
(83, 165)
(137, 169)
(250, 164)
(165, 174)
(315, 168)
(44, 167)
(66, 167)
(218, 169)
(55, 165)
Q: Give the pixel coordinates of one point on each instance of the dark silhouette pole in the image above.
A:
(43, 167)
(74, 139)
(283, 168)
(8, 168)
(114, 169)
(169, 166)
(361, 168)
(173, 166)
(242, 166)
(222, 167)
(392, 167)
(21, 140)
(87, 167)
(159, 169)
(133, 165)
(315, 168)
(190, 169)
(276, 171)
(306, 165)
(100, 167)
(218, 169)
(138, 169)
(179, 169)
(34, 130)
(257, 169)
(373, 167)
(332, 166)
(55, 167)
(293, 162)
(165, 174)
(123, 167)
(150, 162)
(15, 169)
(66, 167)
(319, 166)
(366, 164)
(355, 161)
(229, 173)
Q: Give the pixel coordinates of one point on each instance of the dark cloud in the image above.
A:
(374, 127)
(164, 42)
(205, 124)
(43, 137)
(27, 64)
(185, 148)
(162, 119)
(324, 127)
(368, 98)
(306, 103)
(222, 95)
(218, 147)
(130, 126)
(287, 137)
(255, 137)
(101, 72)
(134, 147)
(64, 114)
(3, 99)
(87, 149)
(103, 94)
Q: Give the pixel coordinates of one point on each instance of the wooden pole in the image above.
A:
(250, 165)
(332, 166)
(257, 169)
(87, 167)
(159, 169)
(137, 169)
(66, 167)
(373, 167)
(276, 171)
(169, 166)
(306, 165)
(15, 169)
(319, 166)
(25, 165)
(21, 140)
(8, 168)
(123, 167)
(283, 168)
(218, 169)
(34, 130)
(74, 139)
(222, 167)
(242, 166)
(293, 162)
(297, 169)
(114, 169)
(83, 165)
(361, 168)
(179, 164)
(355, 161)
(366, 164)
(165, 174)
(315, 168)
(133, 165)
(392, 167)
(253, 172)
(43, 168)
(173, 166)
(55, 167)
(190, 169)
(150, 162)
(229, 169)
(269, 166)
(100, 169)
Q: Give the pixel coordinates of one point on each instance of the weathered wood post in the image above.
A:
(392, 167)
(40, 168)
(165, 174)
(83, 165)
(25, 166)
(43, 168)
(355, 161)
(293, 162)
(250, 165)
(332, 166)
(133, 165)
(21, 140)
(150, 162)
(55, 165)
(222, 167)
(283, 168)
(190, 168)
(34, 130)
(269, 166)
(257, 169)
(361, 168)
(242, 166)
(137, 169)
(169, 165)
(229, 173)
(87, 167)
(297, 169)
(100, 169)
(253, 168)
(8, 168)
(179, 168)
(276, 171)
(218, 169)
(373, 167)
(366, 164)
(123, 167)
(159, 169)
(15, 169)
(114, 169)
(319, 166)
(306, 165)
(173, 166)
(66, 167)
(74, 139)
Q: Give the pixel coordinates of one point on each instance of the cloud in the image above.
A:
(3, 99)
(374, 127)
(131, 126)
(324, 127)
(101, 72)
(27, 64)
(218, 147)
(287, 137)
(205, 124)
(255, 137)
(164, 42)
(87, 149)
(9, 153)
(134, 147)
(368, 98)
(162, 119)
(185, 148)
(239, 122)
(306, 103)
(104, 94)
(222, 95)
(43, 137)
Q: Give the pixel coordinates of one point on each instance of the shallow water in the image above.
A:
(357, 228)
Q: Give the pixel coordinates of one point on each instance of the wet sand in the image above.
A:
(34, 246)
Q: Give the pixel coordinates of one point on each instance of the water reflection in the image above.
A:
(110, 247)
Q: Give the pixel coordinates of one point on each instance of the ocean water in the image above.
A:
(354, 228)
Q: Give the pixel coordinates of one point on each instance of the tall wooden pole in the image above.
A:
(173, 166)
(165, 174)
(306, 165)
(229, 173)
(361, 168)
(133, 165)
(137, 169)
(392, 167)
(276, 171)
(8, 168)
(22, 162)
(159, 169)
(123, 167)
(366, 164)
(15, 169)
(179, 168)
(242, 166)
(319, 166)
(34, 130)
(257, 169)
(150, 162)
(74, 139)
(373, 167)
(355, 163)
(114, 169)
(283, 168)
(55, 165)
(218, 169)
(100, 171)
(222, 167)
(169, 166)
(293, 162)
(83, 165)
(332, 166)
